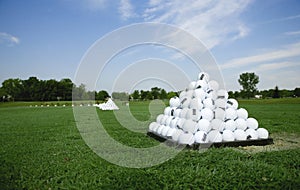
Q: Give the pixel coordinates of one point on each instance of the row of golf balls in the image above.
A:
(183, 137)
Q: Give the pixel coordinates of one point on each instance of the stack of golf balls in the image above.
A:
(203, 113)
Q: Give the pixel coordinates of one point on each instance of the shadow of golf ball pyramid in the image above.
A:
(203, 113)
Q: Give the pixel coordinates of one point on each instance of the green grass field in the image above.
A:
(41, 148)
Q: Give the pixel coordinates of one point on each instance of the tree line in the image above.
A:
(34, 89)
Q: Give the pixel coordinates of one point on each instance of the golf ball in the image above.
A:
(214, 136)
(232, 103)
(208, 103)
(241, 124)
(176, 134)
(174, 102)
(199, 93)
(201, 137)
(230, 125)
(227, 135)
(219, 114)
(203, 76)
(203, 125)
(240, 135)
(213, 85)
(230, 113)
(207, 113)
(242, 113)
(262, 133)
(252, 123)
(251, 134)
(217, 124)
(189, 126)
(186, 138)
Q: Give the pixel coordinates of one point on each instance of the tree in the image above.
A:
(102, 95)
(13, 88)
(171, 94)
(276, 93)
(163, 94)
(155, 91)
(136, 95)
(248, 81)
(297, 92)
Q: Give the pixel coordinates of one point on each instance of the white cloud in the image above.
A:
(8, 39)
(213, 22)
(290, 50)
(126, 10)
(292, 33)
(275, 66)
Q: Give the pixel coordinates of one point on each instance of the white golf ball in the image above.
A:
(159, 118)
(164, 119)
(196, 104)
(189, 126)
(201, 137)
(203, 125)
(195, 114)
(174, 102)
(165, 131)
(192, 85)
(262, 133)
(207, 113)
(230, 113)
(190, 93)
(176, 134)
(211, 94)
(167, 111)
(159, 129)
(182, 94)
(220, 103)
(217, 124)
(208, 103)
(222, 94)
(242, 113)
(155, 127)
(232, 103)
(199, 93)
(174, 122)
(185, 101)
(180, 123)
(171, 131)
(213, 85)
(219, 114)
(201, 84)
(186, 138)
(227, 135)
(203, 76)
(241, 124)
(240, 135)
(152, 125)
(251, 134)
(252, 123)
(230, 125)
(168, 121)
(172, 111)
(184, 112)
(177, 112)
(214, 136)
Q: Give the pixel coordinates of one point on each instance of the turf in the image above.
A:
(41, 148)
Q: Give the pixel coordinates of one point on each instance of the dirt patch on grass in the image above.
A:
(282, 141)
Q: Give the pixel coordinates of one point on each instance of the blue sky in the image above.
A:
(48, 38)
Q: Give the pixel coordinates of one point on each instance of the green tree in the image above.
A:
(102, 95)
(136, 95)
(248, 81)
(276, 93)
(163, 94)
(297, 92)
(155, 91)
(13, 88)
(171, 94)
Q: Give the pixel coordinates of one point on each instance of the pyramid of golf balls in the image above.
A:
(203, 113)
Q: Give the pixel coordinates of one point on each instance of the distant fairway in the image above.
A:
(41, 148)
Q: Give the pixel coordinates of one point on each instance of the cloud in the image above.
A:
(292, 33)
(8, 39)
(95, 4)
(211, 21)
(275, 66)
(126, 10)
(290, 50)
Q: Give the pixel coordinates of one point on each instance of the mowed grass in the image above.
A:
(41, 148)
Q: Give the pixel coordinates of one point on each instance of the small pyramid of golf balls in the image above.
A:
(203, 113)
